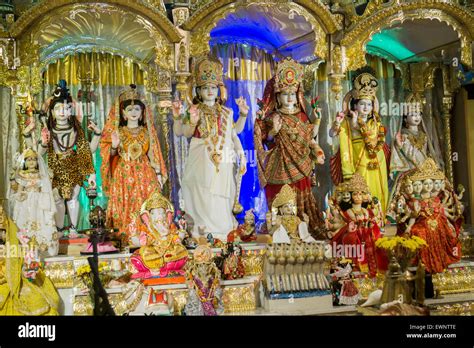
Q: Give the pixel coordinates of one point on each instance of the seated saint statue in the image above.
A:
(286, 225)
(163, 254)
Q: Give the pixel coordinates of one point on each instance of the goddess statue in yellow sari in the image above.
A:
(362, 147)
(20, 295)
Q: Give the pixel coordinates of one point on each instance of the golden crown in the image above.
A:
(365, 87)
(428, 170)
(342, 187)
(289, 75)
(357, 183)
(414, 102)
(29, 152)
(208, 71)
(130, 93)
(156, 201)
(202, 254)
(285, 196)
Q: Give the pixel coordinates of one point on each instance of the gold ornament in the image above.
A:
(203, 254)
(156, 201)
(285, 196)
(342, 187)
(365, 87)
(130, 93)
(29, 153)
(208, 71)
(289, 75)
(427, 170)
(357, 184)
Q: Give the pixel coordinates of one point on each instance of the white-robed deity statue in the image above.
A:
(33, 202)
(209, 184)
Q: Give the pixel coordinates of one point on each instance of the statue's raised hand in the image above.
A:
(45, 136)
(340, 117)
(30, 126)
(276, 124)
(93, 127)
(242, 104)
(177, 108)
(194, 114)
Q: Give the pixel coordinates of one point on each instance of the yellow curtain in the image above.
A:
(111, 70)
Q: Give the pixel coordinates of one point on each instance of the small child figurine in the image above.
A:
(245, 233)
(348, 293)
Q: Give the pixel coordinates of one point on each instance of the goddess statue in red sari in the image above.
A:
(284, 138)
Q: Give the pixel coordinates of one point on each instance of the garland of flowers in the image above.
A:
(371, 148)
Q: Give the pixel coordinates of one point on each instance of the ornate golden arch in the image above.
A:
(205, 19)
(142, 7)
(378, 18)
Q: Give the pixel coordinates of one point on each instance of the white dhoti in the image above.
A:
(209, 194)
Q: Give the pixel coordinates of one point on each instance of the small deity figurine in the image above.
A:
(69, 155)
(184, 231)
(230, 262)
(429, 220)
(24, 287)
(346, 292)
(359, 232)
(33, 202)
(362, 147)
(164, 254)
(284, 138)
(132, 163)
(412, 145)
(209, 186)
(337, 204)
(245, 233)
(203, 279)
(286, 224)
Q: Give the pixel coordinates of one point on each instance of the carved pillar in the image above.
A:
(337, 70)
(450, 86)
(447, 106)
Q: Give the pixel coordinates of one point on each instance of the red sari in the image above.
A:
(365, 235)
(433, 226)
(288, 159)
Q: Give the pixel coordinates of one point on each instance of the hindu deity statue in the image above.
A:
(164, 254)
(337, 204)
(345, 292)
(203, 279)
(209, 183)
(33, 202)
(359, 229)
(245, 232)
(132, 162)
(429, 220)
(69, 155)
(284, 138)
(286, 225)
(24, 287)
(412, 145)
(362, 147)
(232, 266)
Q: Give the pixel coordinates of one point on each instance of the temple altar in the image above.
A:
(232, 158)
